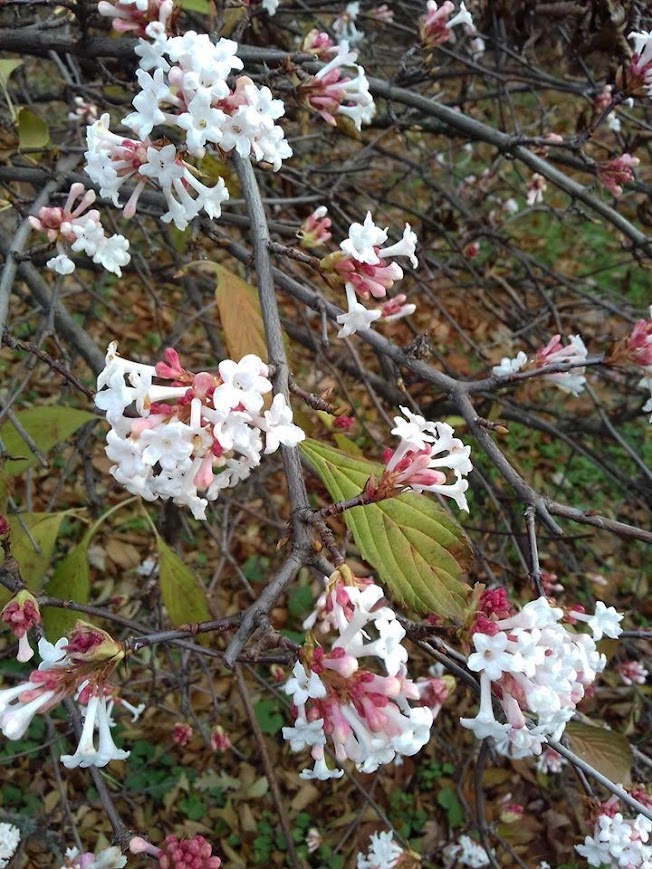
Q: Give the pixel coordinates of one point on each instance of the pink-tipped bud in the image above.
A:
(314, 230)
(612, 174)
(21, 614)
(181, 734)
(219, 739)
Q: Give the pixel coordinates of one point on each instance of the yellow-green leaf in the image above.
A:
(418, 551)
(239, 308)
(33, 536)
(183, 596)
(606, 750)
(46, 426)
(7, 66)
(33, 131)
(70, 581)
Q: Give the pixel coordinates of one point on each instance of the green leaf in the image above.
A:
(7, 66)
(183, 595)
(70, 581)
(606, 750)
(46, 426)
(33, 536)
(33, 131)
(268, 716)
(201, 6)
(418, 551)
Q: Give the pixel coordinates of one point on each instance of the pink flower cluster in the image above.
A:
(612, 174)
(426, 448)
(133, 16)
(332, 91)
(74, 224)
(362, 266)
(195, 432)
(366, 716)
(531, 663)
(175, 853)
(20, 614)
(436, 25)
(553, 353)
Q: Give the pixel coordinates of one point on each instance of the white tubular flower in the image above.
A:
(405, 247)
(86, 754)
(363, 239)
(382, 853)
(604, 622)
(278, 426)
(9, 841)
(357, 317)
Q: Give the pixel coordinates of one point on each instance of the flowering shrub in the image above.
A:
(208, 576)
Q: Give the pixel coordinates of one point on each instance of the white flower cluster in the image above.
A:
(466, 852)
(83, 230)
(9, 841)
(619, 842)
(382, 853)
(366, 716)
(183, 83)
(332, 90)
(426, 448)
(541, 668)
(196, 433)
(363, 266)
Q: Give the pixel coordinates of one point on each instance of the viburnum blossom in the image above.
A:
(195, 432)
(109, 858)
(82, 229)
(333, 91)
(467, 853)
(635, 348)
(612, 174)
(425, 450)
(618, 842)
(78, 666)
(632, 673)
(20, 614)
(319, 43)
(510, 366)
(537, 665)
(639, 71)
(536, 188)
(315, 229)
(183, 83)
(383, 852)
(436, 25)
(344, 26)
(574, 352)
(366, 716)
(361, 265)
(181, 734)
(550, 761)
(9, 841)
(133, 16)
(175, 853)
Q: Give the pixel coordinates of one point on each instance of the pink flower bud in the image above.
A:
(181, 734)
